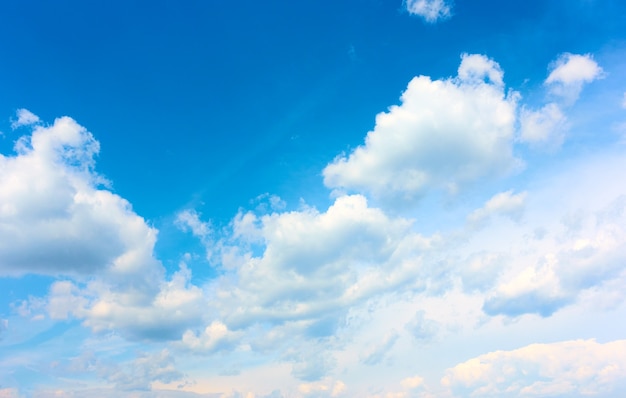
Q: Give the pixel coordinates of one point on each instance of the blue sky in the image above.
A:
(327, 199)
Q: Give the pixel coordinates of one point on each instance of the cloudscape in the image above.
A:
(391, 199)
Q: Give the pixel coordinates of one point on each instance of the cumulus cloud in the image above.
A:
(308, 265)
(215, 337)
(55, 220)
(569, 368)
(445, 134)
(24, 118)
(431, 10)
(569, 73)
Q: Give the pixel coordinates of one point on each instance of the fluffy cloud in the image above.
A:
(570, 368)
(307, 265)
(569, 73)
(54, 218)
(431, 10)
(446, 133)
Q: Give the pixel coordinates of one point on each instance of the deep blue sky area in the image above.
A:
(261, 92)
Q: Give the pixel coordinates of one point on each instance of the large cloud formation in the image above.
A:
(445, 134)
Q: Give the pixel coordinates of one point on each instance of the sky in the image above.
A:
(372, 198)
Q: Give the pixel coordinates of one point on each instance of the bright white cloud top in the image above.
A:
(472, 243)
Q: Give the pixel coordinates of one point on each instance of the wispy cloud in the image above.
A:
(24, 118)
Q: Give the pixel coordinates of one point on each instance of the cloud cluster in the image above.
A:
(289, 283)
(55, 220)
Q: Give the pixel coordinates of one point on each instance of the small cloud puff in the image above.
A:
(569, 73)
(431, 10)
(24, 118)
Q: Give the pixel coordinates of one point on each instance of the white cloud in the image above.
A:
(24, 118)
(411, 383)
(54, 218)
(570, 368)
(323, 388)
(190, 220)
(569, 73)
(431, 10)
(545, 127)
(624, 101)
(446, 133)
(503, 204)
(311, 265)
